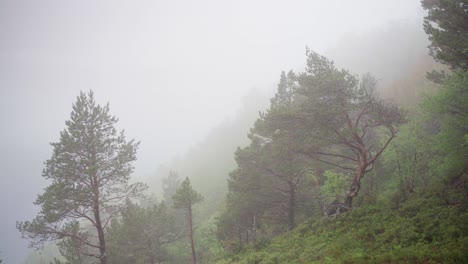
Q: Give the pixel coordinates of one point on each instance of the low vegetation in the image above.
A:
(423, 230)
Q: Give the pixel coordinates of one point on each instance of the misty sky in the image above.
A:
(171, 71)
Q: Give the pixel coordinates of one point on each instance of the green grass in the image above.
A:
(422, 230)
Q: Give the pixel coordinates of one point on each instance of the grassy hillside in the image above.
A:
(422, 230)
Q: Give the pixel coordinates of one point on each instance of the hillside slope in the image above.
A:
(422, 230)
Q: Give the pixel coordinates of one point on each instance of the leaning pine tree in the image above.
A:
(89, 172)
(330, 116)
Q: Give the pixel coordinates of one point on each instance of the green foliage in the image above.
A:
(423, 230)
(334, 185)
(89, 169)
(418, 213)
(420, 199)
(208, 245)
(431, 148)
(319, 118)
(428, 223)
(70, 251)
(447, 108)
(185, 196)
(446, 26)
(141, 235)
(339, 120)
(408, 160)
(266, 190)
(209, 162)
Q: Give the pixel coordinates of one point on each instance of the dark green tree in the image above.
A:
(281, 144)
(142, 234)
(346, 124)
(238, 223)
(409, 156)
(89, 172)
(321, 119)
(265, 194)
(448, 109)
(446, 25)
(250, 196)
(267, 190)
(71, 252)
(185, 198)
(330, 116)
(272, 161)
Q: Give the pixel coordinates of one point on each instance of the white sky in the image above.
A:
(171, 71)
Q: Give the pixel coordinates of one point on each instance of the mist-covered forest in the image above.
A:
(356, 152)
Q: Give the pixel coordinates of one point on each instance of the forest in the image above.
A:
(336, 168)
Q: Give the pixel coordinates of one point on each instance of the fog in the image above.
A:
(171, 71)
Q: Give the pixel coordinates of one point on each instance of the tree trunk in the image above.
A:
(254, 232)
(354, 188)
(97, 214)
(192, 243)
(363, 164)
(291, 206)
(100, 231)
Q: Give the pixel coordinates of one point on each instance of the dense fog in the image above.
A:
(175, 73)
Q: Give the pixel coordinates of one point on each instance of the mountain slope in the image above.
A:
(422, 230)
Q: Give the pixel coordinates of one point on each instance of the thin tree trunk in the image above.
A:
(247, 238)
(254, 228)
(192, 243)
(292, 206)
(97, 215)
(100, 231)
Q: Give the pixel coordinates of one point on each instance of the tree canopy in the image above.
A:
(446, 26)
(89, 172)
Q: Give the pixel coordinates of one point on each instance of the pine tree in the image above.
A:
(185, 198)
(343, 118)
(446, 25)
(89, 169)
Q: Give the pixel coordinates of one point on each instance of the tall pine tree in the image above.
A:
(89, 172)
